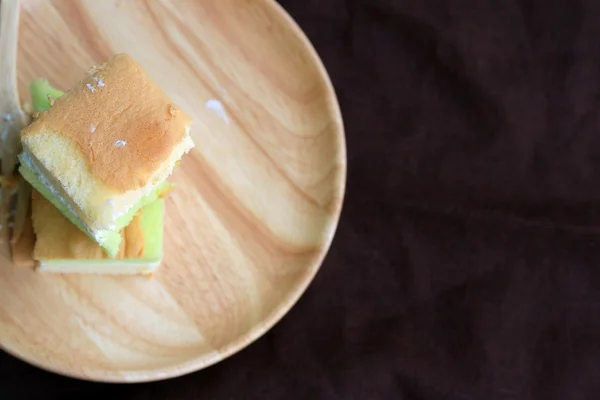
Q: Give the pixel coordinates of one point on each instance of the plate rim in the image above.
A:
(290, 300)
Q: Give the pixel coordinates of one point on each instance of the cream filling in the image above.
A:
(98, 235)
(31, 164)
(28, 161)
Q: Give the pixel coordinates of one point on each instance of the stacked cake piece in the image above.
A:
(98, 158)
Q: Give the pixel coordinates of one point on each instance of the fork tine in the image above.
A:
(9, 30)
(12, 118)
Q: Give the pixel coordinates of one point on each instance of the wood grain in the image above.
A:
(256, 203)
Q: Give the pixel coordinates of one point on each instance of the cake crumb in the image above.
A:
(51, 100)
(120, 143)
(96, 68)
(173, 110)
(99, 81)
(92, 89)
(27, 107)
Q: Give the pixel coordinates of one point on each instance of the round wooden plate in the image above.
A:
(256, 205)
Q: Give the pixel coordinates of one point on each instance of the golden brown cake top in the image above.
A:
(125, 126)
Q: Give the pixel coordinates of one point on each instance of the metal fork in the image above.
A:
(12, 118)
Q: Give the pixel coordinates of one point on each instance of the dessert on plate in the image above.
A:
(98, 157)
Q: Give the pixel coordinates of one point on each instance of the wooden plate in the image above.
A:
(256, 205)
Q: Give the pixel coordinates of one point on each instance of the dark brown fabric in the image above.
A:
(467, 261)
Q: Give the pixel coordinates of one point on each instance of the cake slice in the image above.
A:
(104, 147)
(62, 247)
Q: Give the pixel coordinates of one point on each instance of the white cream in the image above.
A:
(28, 161)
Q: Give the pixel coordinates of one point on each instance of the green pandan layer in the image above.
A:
(152, 226)
(153, 216)
(40, 89)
